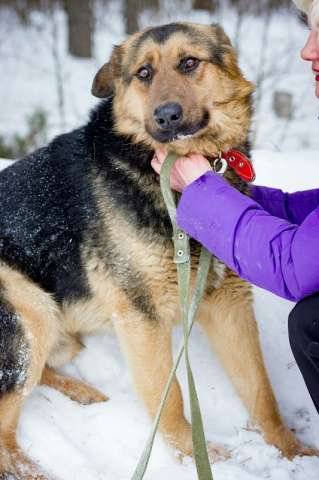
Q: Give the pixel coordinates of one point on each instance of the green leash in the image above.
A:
(182, 259)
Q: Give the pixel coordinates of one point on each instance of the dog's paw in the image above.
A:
(182, 441)
(23, 471)
(15, 465)
(299, 450)
(76, 390)
(86, 395)
(217, 452)
(285, 440)
(7, 476)
(26, 475)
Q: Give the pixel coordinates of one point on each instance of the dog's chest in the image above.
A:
(137, 278)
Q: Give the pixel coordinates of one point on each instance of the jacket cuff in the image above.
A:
(210, 206)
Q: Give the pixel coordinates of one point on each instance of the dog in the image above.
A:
(85, 239)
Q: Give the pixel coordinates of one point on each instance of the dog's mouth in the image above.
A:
(184, 131)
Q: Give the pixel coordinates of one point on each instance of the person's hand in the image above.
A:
(185, 170)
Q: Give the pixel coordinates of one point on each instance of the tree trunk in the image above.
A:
(205, 5)
(80, 27)
(131, 16)
(132, 10)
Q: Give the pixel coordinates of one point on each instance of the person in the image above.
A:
(270, 239)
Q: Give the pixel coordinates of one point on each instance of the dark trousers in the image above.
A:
(304, 341)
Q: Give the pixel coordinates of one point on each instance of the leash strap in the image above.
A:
(182, 259)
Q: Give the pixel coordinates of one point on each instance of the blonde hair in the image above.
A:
(311, 8)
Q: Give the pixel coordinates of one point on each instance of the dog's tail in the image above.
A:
(14, 351)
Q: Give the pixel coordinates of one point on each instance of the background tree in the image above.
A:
(132, 10)
(209, 5)
(80, 27)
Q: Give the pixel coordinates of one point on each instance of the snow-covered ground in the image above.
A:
(104, 441)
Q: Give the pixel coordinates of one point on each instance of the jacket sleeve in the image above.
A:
(294, 207)
(268, 251)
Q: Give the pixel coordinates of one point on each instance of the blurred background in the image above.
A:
(50, 51)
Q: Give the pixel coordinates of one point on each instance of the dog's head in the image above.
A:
(178, 86)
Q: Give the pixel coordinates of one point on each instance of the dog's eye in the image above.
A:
(145, 73)
(188, 64)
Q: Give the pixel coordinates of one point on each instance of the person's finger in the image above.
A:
(156, 164)
(161, 155)
(158, 160)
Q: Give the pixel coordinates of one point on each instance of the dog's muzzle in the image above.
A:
(170, 125)
(168, 116)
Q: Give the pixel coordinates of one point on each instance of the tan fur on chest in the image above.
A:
(152, 259)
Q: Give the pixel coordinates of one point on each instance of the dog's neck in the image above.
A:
(126, 173)
(107, 143)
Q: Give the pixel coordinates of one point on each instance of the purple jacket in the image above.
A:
(271, 241)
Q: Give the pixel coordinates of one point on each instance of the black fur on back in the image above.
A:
(46, 204)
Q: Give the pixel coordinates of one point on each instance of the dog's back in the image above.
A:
(46, 204)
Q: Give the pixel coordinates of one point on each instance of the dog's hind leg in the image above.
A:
(13, 463)
(68, 346)
(28, 331)
(77, 390)
(229, 322)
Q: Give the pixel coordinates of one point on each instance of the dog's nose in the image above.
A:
(168, 115)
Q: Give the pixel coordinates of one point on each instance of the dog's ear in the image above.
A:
(103, 84)
(222, 37)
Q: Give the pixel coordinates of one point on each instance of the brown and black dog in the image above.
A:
(85, 239)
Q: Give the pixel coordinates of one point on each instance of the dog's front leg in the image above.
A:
(147, 346)
(231, 327)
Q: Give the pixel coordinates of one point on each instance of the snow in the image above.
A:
(104, 441)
